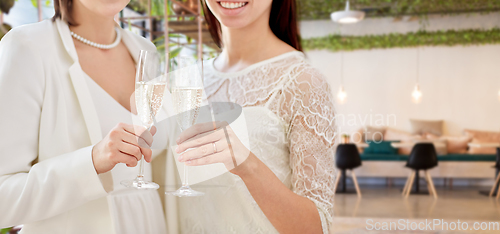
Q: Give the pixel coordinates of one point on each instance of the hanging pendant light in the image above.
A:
(417, 94)
(347, 16)
(341, 95)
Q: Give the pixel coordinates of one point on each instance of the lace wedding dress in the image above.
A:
(289, 111)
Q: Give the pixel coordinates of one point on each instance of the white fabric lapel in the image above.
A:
(82, 92)
(133, 47)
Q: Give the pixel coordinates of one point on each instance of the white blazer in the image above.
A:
(48, 126)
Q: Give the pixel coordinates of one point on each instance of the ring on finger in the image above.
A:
(215, 147)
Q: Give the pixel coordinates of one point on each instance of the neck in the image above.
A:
(248, 45)
(92, 26)
(245, 43)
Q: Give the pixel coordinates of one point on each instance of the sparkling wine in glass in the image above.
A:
(150, 84)
(187, 101)
(187, 93)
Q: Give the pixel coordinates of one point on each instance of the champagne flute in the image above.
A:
(150, 83)
(187, 93)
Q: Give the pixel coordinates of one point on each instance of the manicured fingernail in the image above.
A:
(179, 158)
(189, 162)
(178, 140)
(177, 149)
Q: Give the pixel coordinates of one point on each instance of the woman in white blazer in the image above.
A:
(62, 152)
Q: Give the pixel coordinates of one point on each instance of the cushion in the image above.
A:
(481, 150)
(427, 126)
(482, 137)
(382, 147)
(357, 136)
(456, 144)
(373, 134)
(368, 133)
(402, 136)
(398, 135)
(430, 136)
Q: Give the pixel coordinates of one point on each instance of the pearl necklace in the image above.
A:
(97, 45)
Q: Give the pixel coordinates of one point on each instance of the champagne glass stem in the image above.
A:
(141, 162)
(186, 183)
(141, 168)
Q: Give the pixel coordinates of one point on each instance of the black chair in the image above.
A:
(497, 165)
(347, 158)
(423, 156)
(497, 180)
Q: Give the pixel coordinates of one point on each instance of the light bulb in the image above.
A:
(341, 96)
(347, 16)
(416, 95)
(348, 20)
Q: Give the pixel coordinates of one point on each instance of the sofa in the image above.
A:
(457, 158)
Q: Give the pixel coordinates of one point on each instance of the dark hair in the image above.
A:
(63, 10)
(283, 23)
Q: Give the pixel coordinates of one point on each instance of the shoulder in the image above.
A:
(304, 72)
(28, 44)
(30, 35)
(141, 41)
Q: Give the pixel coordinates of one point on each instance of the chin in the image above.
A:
(111, 9)
(107, 8)
(234, 23)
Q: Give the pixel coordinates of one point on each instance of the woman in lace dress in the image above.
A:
(284, 182)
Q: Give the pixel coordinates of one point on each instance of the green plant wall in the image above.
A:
(321, 9)
(5, 230)
(421, 38)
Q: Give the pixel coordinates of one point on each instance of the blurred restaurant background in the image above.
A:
(417, 85)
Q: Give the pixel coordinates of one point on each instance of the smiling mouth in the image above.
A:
(232, 5)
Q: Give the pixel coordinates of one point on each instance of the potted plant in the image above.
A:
(344, 139)
(5, 6)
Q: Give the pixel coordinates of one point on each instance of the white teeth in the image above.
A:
(232, 5)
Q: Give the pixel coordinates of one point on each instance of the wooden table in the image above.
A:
(484, 145)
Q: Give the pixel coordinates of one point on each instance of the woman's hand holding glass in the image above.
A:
(125, 143)
(211, 144)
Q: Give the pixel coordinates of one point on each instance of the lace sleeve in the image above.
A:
(311, 135)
